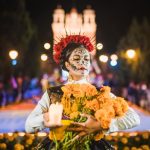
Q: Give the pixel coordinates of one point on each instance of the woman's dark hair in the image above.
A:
(67, 52)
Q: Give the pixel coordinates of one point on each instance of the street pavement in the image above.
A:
(13, 117)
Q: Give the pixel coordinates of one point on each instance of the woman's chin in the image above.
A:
(81, 73)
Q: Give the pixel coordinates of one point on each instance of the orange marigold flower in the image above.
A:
(93, 105)
(120, 106)
(103, 117)
(117, 108)
(74, 115)
(105, 89)
(90, 90)
(98, 136)
(105, 123)
(74, 107)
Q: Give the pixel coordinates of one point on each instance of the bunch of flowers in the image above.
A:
(59, 47)
(85, 98)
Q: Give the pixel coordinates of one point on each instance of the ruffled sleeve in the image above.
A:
(129, 120)
(35, 120)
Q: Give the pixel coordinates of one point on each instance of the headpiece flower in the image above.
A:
(59, 47)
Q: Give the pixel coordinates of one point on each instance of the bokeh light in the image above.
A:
(103, 58)
(113, 63)
(44, 57)
(99, 46)
(114, 57)
(130, 53)
(13, 54)
(47, 46)
(14, 62)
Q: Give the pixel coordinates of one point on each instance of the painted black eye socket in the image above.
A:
(87, 59)
(76, 59)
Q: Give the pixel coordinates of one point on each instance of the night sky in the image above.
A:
(112, 17)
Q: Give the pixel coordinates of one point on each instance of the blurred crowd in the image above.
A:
(23, 88)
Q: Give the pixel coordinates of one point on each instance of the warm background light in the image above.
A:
(21, 134)
(41, 134)
(99, 46)
(13, 54)
(44, 57)
(47, 46)
(103, 58)
(114, 57)
(131, 53)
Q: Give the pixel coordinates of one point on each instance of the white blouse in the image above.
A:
(35, 121)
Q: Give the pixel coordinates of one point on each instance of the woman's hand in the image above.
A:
(47, 121)
(91, 125)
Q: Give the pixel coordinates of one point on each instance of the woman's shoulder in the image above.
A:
(55, 89)
(55, 93)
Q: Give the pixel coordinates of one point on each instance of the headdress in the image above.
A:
(62, 44)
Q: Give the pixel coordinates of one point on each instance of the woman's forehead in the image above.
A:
(80, 51)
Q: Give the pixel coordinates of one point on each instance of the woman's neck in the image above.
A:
(77, 79)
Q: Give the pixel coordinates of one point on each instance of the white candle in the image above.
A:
(55, 114)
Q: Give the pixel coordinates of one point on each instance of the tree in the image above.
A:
(137, 38)
(16, 32)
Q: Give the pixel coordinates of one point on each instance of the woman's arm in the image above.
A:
(130, 120)
(35, 120)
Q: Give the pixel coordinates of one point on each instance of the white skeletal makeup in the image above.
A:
(79, 62)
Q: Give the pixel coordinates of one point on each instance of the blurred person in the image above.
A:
(96, 79)
(13, 89)
(143, 95)
(25, 85)
(19, 88)
(109, 81)
(92, 77)
(57, 77)
(148, 97)
(34, 89)
(124, 92)
(99, 80)
(3, 98)
(44, 82)
(133, 93)
(51, 80)
(112, 82)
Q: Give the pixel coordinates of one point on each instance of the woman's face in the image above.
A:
(79, 62)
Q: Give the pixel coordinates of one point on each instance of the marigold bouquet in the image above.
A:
(85, 98)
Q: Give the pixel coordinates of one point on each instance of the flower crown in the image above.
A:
(60, 46)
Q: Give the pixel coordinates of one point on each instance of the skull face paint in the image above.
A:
(79, 62)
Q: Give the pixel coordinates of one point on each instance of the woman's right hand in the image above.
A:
(47, 121)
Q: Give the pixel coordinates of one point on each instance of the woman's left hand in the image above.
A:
(91, 125)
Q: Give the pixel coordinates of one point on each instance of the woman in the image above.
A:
(73, 55)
